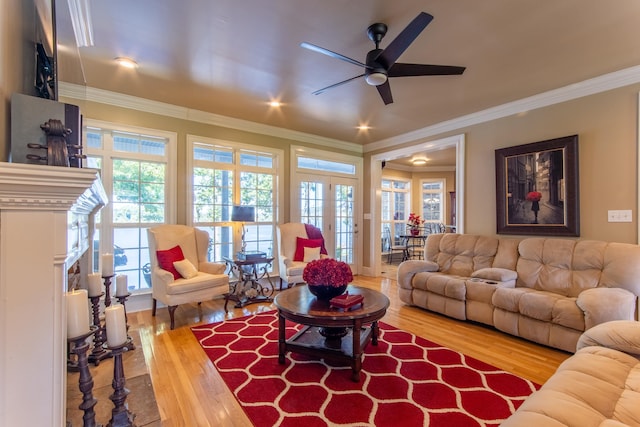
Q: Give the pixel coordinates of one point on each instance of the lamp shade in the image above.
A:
(243, 213)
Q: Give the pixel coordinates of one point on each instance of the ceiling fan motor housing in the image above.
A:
(375, 74)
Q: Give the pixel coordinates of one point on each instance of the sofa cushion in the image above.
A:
(622, 269)
(441, 284)
(540, 305)
(597, 386)
(545, 265)
(461, 254)
(497, 274)
(509, 298)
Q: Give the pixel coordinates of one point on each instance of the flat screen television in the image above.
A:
(45, 75)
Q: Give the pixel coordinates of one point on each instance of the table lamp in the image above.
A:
(243, 214)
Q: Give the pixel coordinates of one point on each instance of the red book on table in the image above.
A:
(345, 300)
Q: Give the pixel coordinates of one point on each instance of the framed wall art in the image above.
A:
(537, 188)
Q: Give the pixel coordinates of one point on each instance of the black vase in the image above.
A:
(325, 292)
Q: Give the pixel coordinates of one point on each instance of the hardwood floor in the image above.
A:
(190, 392)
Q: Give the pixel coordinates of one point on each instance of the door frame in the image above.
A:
(294, 205)
(457, 141)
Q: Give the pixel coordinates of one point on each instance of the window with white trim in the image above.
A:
(137, 174)
(396, 201)
(227, 174)
(433, 200)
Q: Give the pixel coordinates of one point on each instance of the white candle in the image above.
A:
(94, 283)
(116, 325)
(77, 313)
(107, 264)
(121, 285)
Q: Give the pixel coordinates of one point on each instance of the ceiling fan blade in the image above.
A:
(332, 54)
(406, 70)
(392, 52)
(385, 92)
(319, 91)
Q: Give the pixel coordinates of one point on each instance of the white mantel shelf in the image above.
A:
(46, 220)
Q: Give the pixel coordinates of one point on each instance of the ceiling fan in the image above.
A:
(381, 63)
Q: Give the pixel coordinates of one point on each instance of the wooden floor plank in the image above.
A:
(190, 391)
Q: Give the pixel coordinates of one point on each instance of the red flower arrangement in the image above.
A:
(327, 272)
(534, 196)
(415, 220)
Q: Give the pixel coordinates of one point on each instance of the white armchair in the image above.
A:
(193, 280)
(290, 269)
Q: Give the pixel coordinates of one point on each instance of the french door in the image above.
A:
(328, 202)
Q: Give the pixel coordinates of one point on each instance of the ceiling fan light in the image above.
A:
(376, 78)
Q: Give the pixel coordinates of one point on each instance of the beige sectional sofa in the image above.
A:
(596, 387)
(546, 290)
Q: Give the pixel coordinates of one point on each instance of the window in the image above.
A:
(225, 174)
(326, 165)
(136, 174)
(433, 200)
(395, 203)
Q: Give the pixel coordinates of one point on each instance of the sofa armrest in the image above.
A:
(622, 335)
(286, 261)
(212, 267)
(408, 269)
(605, 304)
(496, 274)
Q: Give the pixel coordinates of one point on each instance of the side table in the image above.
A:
(247, 289)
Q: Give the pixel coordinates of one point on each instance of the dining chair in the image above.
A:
(390, 247)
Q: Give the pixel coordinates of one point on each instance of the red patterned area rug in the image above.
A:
(406, 380)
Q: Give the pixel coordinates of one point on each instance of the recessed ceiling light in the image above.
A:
(275, 103)
(364, 127)
(126, 62)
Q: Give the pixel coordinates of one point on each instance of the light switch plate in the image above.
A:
(620, 215)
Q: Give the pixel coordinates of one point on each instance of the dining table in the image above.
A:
(413, 245)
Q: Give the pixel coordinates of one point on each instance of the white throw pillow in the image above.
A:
(185, 268)
(311, 254)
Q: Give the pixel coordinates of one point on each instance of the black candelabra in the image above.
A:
(80, 347)
(99, 352)
(120, 414)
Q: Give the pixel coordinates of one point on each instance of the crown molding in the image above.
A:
(617, 79)
(86, 93)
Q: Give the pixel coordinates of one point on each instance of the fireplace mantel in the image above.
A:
(46, 222)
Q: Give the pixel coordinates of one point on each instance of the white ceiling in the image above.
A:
(229, 57)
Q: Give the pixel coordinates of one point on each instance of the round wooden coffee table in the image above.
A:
(332, 333)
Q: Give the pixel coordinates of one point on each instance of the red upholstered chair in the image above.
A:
(292, 238)
(174, 281)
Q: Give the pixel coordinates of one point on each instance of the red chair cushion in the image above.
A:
(305, 243)
(166, 259)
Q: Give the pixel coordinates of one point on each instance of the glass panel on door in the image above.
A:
(312, 203)
(344, 229)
